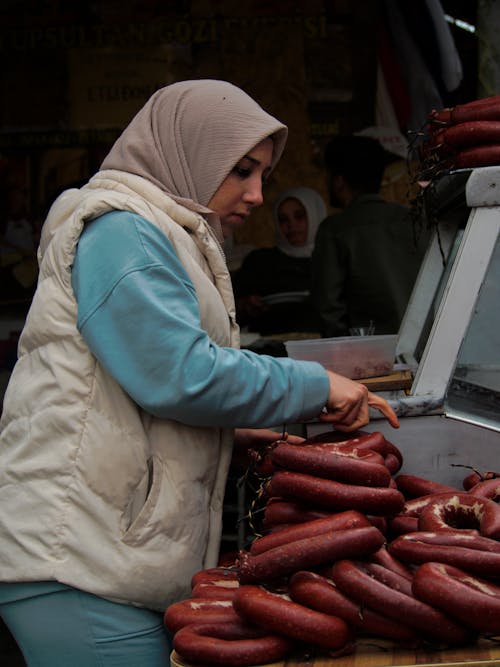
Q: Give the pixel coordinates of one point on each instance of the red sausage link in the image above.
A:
(487, 488)
(335, 496)
(281, 615)
(379, 522)
(279, 511)
(479, 156)
(198, 610)
(339, 521)
(487, 108)
(231, 644)
(214, 574)
(475, 477)
(353, 580)
(344, 465)
(461, 510)
(221, 589)
(309, 553)
(388, 577)
(383, 557)
(413, 486)
(362, 440)
(356, 439)
(480, 556)
(472, 601)
(401, 524)
(319, 593)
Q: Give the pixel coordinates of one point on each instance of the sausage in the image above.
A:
(487, 108)
(487, 488)
(280, 511)
(413, 486)
(383, 557)
(214, 574)
(461, 510)
(309, 553)
(388, 577)
(335, 496)
(475, 554)
(333, 522)
(401, 524)
(456, 538)
(198, 610)
(474, 477)
(353, 580)
(320, 593)
(233, 644)
(379, 522)
(220, 589)
(362, 440)
(279, 614)
(355, 439)
(445, 142)
(472, 601)
(406, 521)
(478, 156)
(344, 465)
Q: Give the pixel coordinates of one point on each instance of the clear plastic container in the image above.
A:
(352, 356)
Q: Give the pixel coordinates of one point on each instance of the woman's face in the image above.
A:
(241, 190)
(292, 219)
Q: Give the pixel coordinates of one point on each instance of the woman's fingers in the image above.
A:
(349, 402)
(383, 406)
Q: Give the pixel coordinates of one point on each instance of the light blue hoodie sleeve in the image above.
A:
(138, 312)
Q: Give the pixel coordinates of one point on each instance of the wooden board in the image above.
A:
(396, 380)
(383, 653)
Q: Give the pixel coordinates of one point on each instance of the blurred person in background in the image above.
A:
(367, 256)
(273, 286)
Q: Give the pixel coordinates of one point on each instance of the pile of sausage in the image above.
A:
(464, 136)
(349, 548)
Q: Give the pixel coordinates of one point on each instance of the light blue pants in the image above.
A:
(58, 626)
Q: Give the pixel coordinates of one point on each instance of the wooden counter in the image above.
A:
(382, 653)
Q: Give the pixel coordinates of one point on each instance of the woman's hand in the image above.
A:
(349, 402)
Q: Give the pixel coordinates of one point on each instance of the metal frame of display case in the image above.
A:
(449, 281)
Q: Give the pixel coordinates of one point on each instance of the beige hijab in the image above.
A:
(189, 135)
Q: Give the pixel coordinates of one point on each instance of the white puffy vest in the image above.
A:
(95, 492)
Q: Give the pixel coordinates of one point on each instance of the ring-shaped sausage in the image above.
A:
(211, 574)
(343, 464)
(320, 593)
(487, 488)
(413, 486)
(353, 580)
(220, 589)
(198, 610)
(335, 496)
(231, 644)
(473, 553)
(309, 553)
(281, 615)
(461, 510)
(471, 600)
(334, 521)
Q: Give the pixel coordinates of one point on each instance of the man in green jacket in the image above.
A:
(366, 257)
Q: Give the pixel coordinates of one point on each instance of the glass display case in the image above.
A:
(450, 335)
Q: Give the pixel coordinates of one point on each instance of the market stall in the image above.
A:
(448, 400)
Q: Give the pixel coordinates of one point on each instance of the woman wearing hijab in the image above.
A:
(272, 287)
(121, 412)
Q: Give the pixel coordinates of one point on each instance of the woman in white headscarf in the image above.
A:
(121, 412)
(272, 287)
